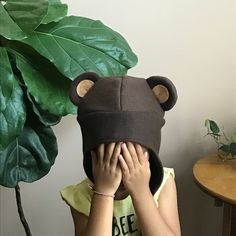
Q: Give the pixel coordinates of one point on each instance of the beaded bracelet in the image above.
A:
(98, 193)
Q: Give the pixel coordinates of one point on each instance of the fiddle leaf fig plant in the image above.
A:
(226, 147)
(41, 51)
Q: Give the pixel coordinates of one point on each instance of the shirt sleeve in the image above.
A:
(78, 197)
(167, 173)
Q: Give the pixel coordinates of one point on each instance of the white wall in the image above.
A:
(191, 42)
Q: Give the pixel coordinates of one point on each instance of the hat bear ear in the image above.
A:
(81, 85)
(164, 90)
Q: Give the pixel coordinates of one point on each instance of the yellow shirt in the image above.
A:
(124, 219)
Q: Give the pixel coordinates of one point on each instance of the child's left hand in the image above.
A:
(135, 168)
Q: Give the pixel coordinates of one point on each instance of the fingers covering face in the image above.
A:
(115, 155)
(133, 153)
(100, 152)
(94, 158)
(128, 155)
(140, 153)
(134, 156)
(108, 153)
(109, 148)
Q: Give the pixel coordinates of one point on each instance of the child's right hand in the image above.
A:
(106, 170)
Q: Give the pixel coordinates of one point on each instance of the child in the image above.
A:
(127, 175)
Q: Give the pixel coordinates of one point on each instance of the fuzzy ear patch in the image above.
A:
(161, 92)
(164, 90)
(81, 85)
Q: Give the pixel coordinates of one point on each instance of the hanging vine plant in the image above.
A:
(41, 51)
(226, 146)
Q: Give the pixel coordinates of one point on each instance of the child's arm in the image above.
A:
(107, 177)
(163, 220)
(153, 221)
(99, 221)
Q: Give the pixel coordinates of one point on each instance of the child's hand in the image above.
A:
(106, 170)
(135, 168)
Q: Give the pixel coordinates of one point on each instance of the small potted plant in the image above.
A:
(226, 147)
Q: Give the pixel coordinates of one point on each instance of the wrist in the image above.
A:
(101, 190)
(141, 194)
(103, 194)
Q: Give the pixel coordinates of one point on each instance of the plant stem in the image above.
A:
(226, 138)
(20, 211)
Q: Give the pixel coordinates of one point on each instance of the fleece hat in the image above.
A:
(121, 109)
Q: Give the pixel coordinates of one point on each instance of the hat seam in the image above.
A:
(121, 87)
(83, 116)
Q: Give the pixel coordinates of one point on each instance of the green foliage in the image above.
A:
(28, 14)
(29, 157)
(56, 11)
(76, 44)
(9, 28)
(226, 147)
(41, 51)
(12, 108)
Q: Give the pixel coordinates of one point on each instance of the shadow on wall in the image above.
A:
(196, 209)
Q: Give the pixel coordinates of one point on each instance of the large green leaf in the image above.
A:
(56, 11)
(77, 44)
(29, 157)
(28, 14)
(44, 116)
(44, 82)
(51, 93)
(8, 28)
(12, 109)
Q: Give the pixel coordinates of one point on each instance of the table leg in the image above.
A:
(229, 220)
(233, 221)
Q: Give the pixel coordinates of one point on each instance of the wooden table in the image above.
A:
(218, 179)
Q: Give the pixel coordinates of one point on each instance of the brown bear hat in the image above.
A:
(121, 109)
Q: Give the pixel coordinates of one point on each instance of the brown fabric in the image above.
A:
(121, 109)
